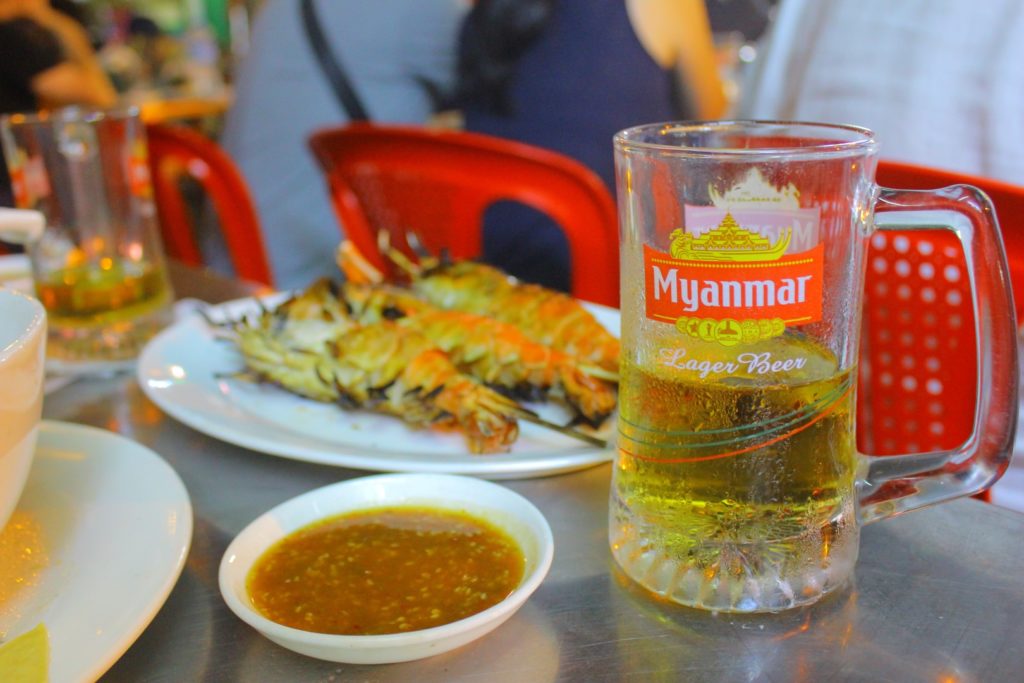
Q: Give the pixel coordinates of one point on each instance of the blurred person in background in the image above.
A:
(132, 53)
(46, 61)
(400, 58)
(940, 82)
(567, 75)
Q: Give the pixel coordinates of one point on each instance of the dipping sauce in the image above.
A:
(385, 570)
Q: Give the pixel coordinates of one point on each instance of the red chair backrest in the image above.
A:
(438, 183)
(176, 152)
(918, 352)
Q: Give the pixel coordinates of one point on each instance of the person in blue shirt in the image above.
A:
(567, 75)
(398, 55)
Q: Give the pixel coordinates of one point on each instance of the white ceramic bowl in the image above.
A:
(22, 358)
(496, 504)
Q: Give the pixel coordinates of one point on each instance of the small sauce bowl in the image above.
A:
(503, 508)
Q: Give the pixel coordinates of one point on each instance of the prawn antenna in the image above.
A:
(415, 242)
(533, 418)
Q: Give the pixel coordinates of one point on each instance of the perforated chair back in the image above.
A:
(176, 153)
(438, 183)
(918, 351)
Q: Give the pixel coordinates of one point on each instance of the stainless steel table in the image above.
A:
(938, 596)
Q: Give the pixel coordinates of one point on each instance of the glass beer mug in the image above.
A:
(98, 266)
(737, 484)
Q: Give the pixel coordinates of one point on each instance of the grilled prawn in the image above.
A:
(546, 316)
(391, 369)
(495, 353)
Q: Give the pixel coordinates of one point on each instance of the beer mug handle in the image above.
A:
(891, 485)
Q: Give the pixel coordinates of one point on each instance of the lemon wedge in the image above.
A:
(26, 659)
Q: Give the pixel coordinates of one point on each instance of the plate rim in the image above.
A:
(352, 457)
(96, 443)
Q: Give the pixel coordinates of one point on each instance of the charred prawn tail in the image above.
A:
(487, 418)
(591, 398)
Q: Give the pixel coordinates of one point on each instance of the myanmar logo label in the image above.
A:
(739, 281)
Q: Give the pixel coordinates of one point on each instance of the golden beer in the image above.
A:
(105, 311)
(89, 294)
(739, 482)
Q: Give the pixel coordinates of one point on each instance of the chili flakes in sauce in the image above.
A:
(385, 570)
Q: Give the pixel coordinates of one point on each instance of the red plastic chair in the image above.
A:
(438, 183)
(918, 374)
(175, 153)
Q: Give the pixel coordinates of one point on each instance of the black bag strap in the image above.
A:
(329, 64)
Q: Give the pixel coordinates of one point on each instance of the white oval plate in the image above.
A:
(115, 524)
(500, 506)
(181, 370)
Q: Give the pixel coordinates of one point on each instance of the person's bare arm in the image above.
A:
(677, 33)
(79, 79)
